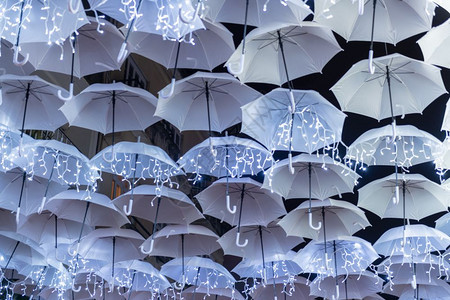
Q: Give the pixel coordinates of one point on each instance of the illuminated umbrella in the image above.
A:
(435, 43)
(443, 224)
(285, 288)
(10, 139)
(205, 293)
(434, 290)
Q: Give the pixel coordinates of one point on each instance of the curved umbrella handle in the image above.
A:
(60, 96)
(127, 209)
(18, 215)
(152, 243)
(414, 282)
(180, 286)
(310, 218)
(72, 8)
(230, 210)
(112, 156)
(16, 57)
(171, 90)
(291, 168)
(41, 208)
(240, 67)
(292, 99)
(361, 7)
(336, 295)
(73, 252)
(238, 236)
(122, 53)
(76, 290)
(371, 67)
(191, 20)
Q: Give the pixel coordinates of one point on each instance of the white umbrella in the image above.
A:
(256, 206)
(95, 108)
(435, 44)
(383, 21)
(420, 239)
(323, 176)
(288, 51)
(338, 218)
(10, 139)
(348, 255)
(6, 61)
(412, 146)
(172, 206)
(197, 271)
(212, 46)
(29, 102)
(79, 54)
(399, 86)
(205, 293)
(182, 240)
(135, 276)
(22, 194)
(285, 288)
(204, 101)
(261, 243)
(45, 21)
(438, 289)
(351, 286)
(293, 120)
(443, 224)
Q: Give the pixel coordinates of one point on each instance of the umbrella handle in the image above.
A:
(76, 290)
(291, 168)
(16, 57)
(336, 296)
(230, 210)
(371, 67)
(17, 215)
(128, 208)
(361, 7)
(191, 20)
(112, 156)
(171, 90)
(179, 286)
(60, 96)
(414, 282)
(152, 242)
(238, 235)
(310, 218)
(41, 208)
(240, 67)
(74, 9)
(73, 252)
(122, 53)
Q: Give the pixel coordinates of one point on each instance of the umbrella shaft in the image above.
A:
(280, 43)
(10, 257)
(131, 25)
(24, 177)
(262, 247)
(373, 24)
(176, 60)
(156, 215)
(27, 96)
(207, 108)
(245, 27)
(73, 56)
(84, 220)
(50, 177)
(113, 256)
(335, 260)
(20, 23)
(113, 115)
(240, 208)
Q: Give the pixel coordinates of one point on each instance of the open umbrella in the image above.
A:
(285, 288)
(293, 120)
(78, 55)
(205, 293)
(172, 206)
(435, 43)
(10, 140)
(443, 224)
(256, 206)
(323, 176)
(382, 21)
(288, 51)
(437, 289)
(29, 102)
(205, 101)
(180, 240)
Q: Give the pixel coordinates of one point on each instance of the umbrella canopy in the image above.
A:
(179, 240)
(205, 101)
(285, 288)
(198, 271)
(233, 156)
(314, 123)
(435, 43)
(438, 289)
(10, 139)
(256, 206)
(420, 197)
(337, 257)
(205, 293)
(419, 238)
(212, 46)
(17, 249)
(111, 245)
(443, 224)
(95, 108)
(399, 86)
(338, 218)
(288, 51)
(328, 177)
(351, 286)
(412, 146)
(79, 55)
(29, 102)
